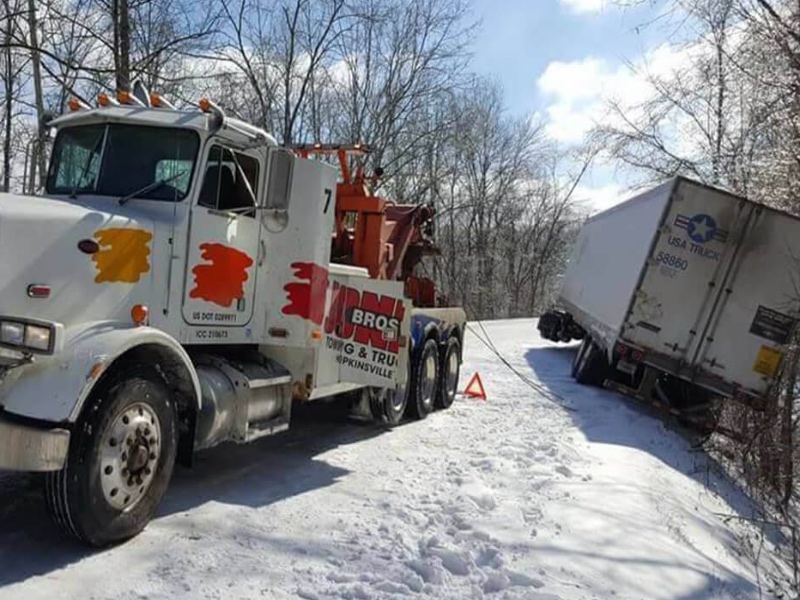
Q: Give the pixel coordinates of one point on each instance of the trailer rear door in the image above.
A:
(758, 306)
(681, 279)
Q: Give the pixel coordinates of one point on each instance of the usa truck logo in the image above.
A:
(701, 228)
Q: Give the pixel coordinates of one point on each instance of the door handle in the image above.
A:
(262, 252)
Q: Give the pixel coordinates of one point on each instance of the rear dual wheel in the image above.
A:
(450, 370)
(431, 383)
(389, 405)
(424, 380)
(434, 382)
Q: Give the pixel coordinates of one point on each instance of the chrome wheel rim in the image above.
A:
(397, 398)
(452, 374)
(129, 456)
(428, 378)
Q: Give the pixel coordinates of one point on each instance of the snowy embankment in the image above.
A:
(515, 497)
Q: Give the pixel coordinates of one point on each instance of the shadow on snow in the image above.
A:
(254, 475)
(607, 417)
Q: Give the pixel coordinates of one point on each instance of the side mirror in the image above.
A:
(279, 184)
(275, 212)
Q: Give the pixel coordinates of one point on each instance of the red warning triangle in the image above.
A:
(475, 388)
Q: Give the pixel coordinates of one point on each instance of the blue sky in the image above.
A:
(562, 58)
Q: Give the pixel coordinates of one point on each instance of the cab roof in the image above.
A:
(235, 130)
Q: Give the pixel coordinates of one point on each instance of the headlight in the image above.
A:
(12, 333)
(36, 337)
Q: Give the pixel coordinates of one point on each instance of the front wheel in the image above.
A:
(424, 380)
(120, 460)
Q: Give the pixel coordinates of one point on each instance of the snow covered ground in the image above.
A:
(515, 497)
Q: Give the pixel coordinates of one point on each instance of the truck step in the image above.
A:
(266, 382)
(272, 426)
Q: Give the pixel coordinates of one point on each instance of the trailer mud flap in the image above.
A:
(366, 332)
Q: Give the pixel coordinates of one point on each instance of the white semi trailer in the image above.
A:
(683, 294)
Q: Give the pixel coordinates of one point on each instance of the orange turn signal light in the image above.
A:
(124, 97)
(204, 104)
(97, 368)
(139, 314)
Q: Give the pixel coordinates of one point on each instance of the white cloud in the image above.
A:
(585, 6)
(600, 198)
(578, 91)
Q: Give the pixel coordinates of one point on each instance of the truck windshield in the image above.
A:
(117, 160)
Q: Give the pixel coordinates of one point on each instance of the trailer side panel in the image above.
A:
(607, 260)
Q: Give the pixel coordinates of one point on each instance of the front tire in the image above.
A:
(424, 381)
(121, 457)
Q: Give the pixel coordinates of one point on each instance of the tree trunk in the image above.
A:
(122, 44)
(38, 160)
(787, 431)
(8, 68)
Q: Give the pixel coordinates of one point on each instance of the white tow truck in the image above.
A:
(173, 289)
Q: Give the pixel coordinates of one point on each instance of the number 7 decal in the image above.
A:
(328, 193)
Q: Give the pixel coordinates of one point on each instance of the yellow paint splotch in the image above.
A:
(123, 256)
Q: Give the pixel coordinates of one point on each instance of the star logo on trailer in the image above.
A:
(701, 228)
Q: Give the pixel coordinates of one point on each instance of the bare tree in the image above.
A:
(12, 79)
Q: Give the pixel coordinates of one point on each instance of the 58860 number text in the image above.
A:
(670, 260)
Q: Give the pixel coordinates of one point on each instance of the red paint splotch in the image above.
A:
(307, 298)
(221, 279)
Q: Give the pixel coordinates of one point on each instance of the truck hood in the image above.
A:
(95, 258)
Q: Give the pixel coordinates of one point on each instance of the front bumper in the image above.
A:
(27, 448)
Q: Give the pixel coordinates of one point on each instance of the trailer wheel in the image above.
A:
(698, 408)
(450, 367)
(578, 357)
(592, 365)
(424, 380)
(120, 460)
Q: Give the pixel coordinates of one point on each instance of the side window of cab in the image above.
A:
(230, 183)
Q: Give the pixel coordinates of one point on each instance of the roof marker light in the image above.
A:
(125, 97)
(106, 100)
(158, 101)
(75, 104)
